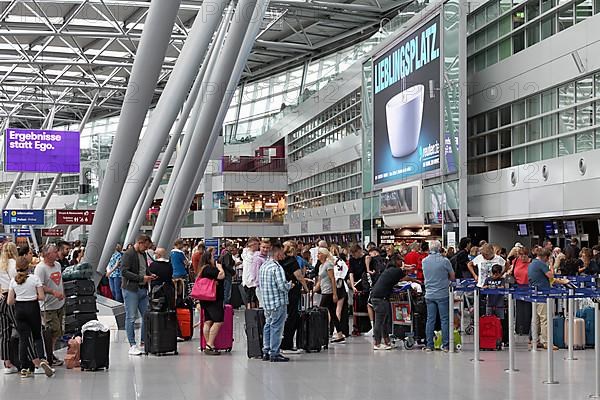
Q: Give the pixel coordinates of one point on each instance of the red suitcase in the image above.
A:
(490, 333)
(224, 340)
(185, 318)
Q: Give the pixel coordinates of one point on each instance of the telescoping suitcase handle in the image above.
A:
(309, 299)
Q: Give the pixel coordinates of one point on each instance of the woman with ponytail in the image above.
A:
(25, 292)
(8, 270)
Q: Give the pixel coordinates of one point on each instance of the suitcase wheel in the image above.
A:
(228, 350)
(176, 352)
(409, 342)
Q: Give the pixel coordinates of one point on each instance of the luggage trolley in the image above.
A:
(403, 317)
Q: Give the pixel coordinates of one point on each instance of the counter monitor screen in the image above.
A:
(522, 230)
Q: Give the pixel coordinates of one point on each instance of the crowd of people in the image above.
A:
(274, 276)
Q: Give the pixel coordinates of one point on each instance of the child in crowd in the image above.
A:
(495, 302)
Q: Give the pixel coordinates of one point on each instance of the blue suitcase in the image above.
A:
(559, 332)
(587, 313)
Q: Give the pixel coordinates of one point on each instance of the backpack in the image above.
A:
(73, 357)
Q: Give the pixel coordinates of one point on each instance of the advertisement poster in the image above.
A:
(406, 102)
(31, 150)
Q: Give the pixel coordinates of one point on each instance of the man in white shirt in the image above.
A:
(249, 286)
(49, 272)
(484, 263)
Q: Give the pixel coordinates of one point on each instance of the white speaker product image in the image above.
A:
(404, 115)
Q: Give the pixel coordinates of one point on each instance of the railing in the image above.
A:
(253, 164)
(234, 215)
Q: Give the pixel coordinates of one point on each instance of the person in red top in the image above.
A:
(520, 266)
(196, 257)
(415, 258)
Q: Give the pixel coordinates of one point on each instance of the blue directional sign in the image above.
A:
(22, 232)
(213, 243)
(23, 217)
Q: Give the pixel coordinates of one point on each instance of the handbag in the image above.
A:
(204, 289)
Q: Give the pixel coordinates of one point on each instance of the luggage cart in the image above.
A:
(403, 318)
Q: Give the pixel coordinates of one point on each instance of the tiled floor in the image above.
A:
(346, 371)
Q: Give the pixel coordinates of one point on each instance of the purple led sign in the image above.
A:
(31, 150)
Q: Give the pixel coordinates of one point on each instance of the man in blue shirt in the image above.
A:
(438, 273)
(539, 275)
(113, 271)
(178, 260)
(274, 292)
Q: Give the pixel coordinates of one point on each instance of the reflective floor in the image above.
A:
(345, 371)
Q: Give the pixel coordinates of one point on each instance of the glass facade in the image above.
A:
(336, 185)
(559, 121)
(502, 28)
(338, 121)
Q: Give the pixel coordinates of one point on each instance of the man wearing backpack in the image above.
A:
(228, 263)
(376, 264)
(461, 259)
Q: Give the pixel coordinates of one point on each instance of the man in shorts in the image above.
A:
(50, 273)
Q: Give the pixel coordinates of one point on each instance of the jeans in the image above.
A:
(227, 289)
(383, 317)
(435, 306)
(134, 302)
(274, 322)
(115, 288)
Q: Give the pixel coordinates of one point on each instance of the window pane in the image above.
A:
(549, 100)
(566, 146)
(598, 138)
(565, 18)
(549, 125)
(518, 18)
(492, 120)
(492, 162)
(491, 55)
(505, 25)
(492, 11)
(518, 42)
(533, 10)
(480, 61)
(505, 141)
(583, 10)
(481, 146)
(480, 40)
(566, 95)
(480, 122)
(480, 165)
(518, 135)
(505, 5)
(566, 121)
(533, 34)
(585, 142)
(518, 157)
(480, 19)
(492, 32)
(547, 4)
(585, 116)
(518, 111)
(492, 142)
(533, 130)
(505, 49)
(505, 159)
(505, 116)
(533, 106)
(548, 149)
(534, 153)
(585, 89)
(548, 27)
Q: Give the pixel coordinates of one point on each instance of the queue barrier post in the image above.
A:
(450, 321)
(596, 394)
(511, 335)
(571, 325)
(476, 358)
(550, 345)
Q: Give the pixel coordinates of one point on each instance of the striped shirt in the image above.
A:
(274, 288)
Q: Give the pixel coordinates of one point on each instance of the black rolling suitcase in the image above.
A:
(95, 350)
(419, 315)
(84, 287)
(313, 330)
(361, 322)
(74, 322)
(161, 332)
(237, 296)
(80, 304)
(255, 324)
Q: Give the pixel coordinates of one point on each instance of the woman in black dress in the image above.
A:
(214, 312)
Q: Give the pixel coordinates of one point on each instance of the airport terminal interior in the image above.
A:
(312, 199)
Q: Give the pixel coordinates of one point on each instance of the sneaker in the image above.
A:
(370, 333)
(134, 351)
(386, 347)
(266, 357)
(340, 339)
(56, 362)
(378, 347)
(291, 351)
(11, 370)
(279, 358)
(545, 345)
(46, 369)
(427, 349)
(445, 349)
(25, 373)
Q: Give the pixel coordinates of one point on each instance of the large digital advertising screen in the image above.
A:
(406, 106)
(31, 150)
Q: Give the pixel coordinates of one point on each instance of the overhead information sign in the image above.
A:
(75, 217)
(23, 217)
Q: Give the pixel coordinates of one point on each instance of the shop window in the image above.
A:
(583, 10)
(565, 18)
(549, 149)
(534, 153)
(548, 27)
(518, 42)
(505, 49)
(533, 34)
(584, 142)
(518, 157)
(566, 146)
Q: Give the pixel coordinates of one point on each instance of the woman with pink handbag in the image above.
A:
(209, 290)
